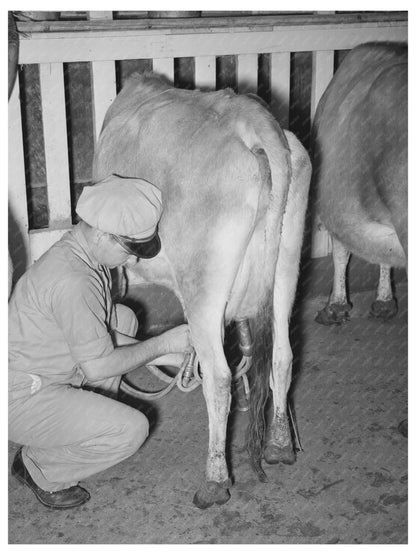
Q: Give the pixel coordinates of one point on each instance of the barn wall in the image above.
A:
(80, 117)
(78, 82)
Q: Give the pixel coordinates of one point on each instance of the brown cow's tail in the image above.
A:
(262, 332)
(273, 156)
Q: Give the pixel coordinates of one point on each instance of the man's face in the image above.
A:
(110, 253)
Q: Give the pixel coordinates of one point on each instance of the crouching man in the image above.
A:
(65, 333)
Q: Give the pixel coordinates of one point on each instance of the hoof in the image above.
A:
(383, 310)
(210, 493)
(333, 314)
(274, 454)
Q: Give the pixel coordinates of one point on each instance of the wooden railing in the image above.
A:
(103, 41)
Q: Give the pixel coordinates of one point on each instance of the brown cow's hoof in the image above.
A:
(383, 310)
(333, 314)
(274, 454)
(212, 492)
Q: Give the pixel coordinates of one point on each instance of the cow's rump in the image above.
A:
(203, 151)
(360, 153)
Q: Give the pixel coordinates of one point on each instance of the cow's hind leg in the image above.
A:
(385, 305)
(206, 289)
(279, 446)
(207, 336)
(338, 307)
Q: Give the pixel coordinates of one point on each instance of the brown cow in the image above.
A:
(360, 169)
(234, 190)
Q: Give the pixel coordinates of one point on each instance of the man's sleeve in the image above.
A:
(79, 309)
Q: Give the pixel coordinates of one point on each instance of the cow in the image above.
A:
(234, 191)
(360, 170)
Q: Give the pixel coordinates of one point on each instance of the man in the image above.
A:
(65, 333)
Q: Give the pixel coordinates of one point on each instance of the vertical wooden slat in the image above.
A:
(280, 87)
(165, 67)
(205, 72)
(247, 71)
(100, 15)
(103, 82)
(18, 219)
(56, 143)
(322, 72)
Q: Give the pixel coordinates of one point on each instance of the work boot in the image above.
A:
(63, 499)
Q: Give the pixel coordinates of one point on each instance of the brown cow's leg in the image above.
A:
(338, 307)
(279, 447)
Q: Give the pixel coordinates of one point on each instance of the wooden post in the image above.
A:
(322, 72)
(165, 67)
(56, 144)
(103, 15)
(247, 73)
(103, 82)
(18, 218)
(205, 72)
(280, 87)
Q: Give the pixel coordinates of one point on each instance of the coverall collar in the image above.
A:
(85, 252)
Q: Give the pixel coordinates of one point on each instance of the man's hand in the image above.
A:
(176, 340)
(130, 356)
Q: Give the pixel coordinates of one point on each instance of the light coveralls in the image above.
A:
(60, 315)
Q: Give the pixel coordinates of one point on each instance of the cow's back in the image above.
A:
(151, 128)
(360, 150)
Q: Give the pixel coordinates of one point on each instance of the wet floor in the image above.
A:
(349, 484)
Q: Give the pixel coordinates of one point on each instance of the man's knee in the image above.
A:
(135, 431)
(126, 320)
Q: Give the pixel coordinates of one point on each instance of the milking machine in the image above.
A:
(189, 376)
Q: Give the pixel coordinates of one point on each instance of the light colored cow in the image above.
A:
(360, 169)
(234, 191)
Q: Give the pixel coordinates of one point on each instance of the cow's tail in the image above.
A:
(273, 155)
(262, 333)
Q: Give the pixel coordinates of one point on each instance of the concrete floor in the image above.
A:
(348, 486)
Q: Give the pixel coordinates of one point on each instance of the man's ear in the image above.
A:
(98, 236)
